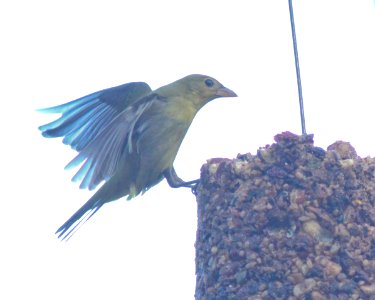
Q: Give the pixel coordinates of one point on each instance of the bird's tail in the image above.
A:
(110, 191)
(66, 231)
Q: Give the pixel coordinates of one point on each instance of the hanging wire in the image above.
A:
(296, 61)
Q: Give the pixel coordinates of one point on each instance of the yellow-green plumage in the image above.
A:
(129, 136)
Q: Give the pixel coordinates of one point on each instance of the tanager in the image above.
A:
(128, 136)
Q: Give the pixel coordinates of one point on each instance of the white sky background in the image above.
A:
(53, 52)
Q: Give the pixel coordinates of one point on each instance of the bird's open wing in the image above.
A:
(100, 158)
(82, 120)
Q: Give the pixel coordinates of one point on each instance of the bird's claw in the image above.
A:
(194, 186)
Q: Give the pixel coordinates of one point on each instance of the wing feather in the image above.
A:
(101, 157)
(83, 119)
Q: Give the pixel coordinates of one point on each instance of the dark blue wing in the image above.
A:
(99, 160)
(83, 119)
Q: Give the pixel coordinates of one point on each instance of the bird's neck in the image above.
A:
(181, 109)
(182, 104)
(182, 92)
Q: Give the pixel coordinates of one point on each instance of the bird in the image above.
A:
(128, 137)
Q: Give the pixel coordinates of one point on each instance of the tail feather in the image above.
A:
(110, 191)
(67, 230)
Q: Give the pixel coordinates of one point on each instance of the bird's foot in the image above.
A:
(176, 182)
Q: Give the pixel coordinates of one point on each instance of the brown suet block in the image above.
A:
(293, 221)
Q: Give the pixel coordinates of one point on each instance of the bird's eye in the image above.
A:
(209, 82)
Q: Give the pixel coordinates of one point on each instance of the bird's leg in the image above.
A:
(175, 182)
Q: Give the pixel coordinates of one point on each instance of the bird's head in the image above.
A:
(198, 89)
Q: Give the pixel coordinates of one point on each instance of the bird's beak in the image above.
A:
(225, 92)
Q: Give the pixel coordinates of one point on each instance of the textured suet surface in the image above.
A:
(291, 222)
